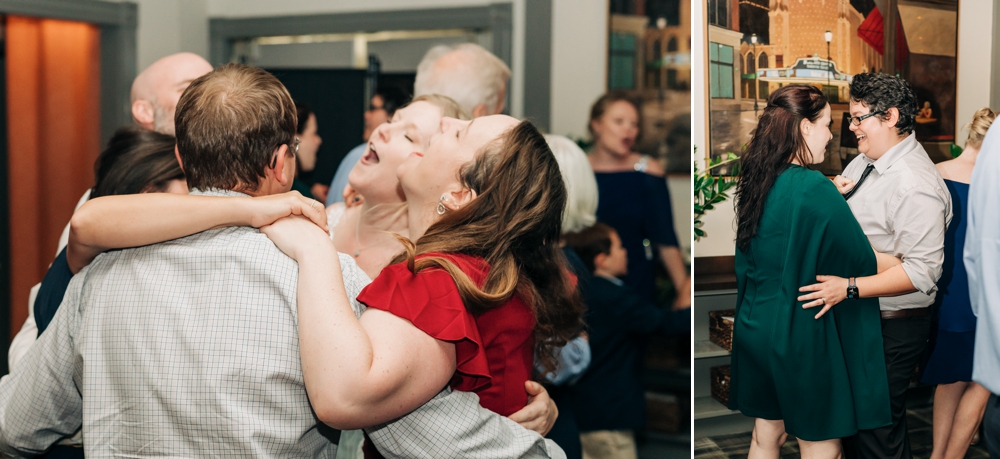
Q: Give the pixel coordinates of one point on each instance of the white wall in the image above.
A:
(718, 223)
(699, 80)
(975, 26)
(720, 228)
(168, 27)
(579, 63)
(680, 204)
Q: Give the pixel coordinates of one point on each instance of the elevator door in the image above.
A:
(52, 110)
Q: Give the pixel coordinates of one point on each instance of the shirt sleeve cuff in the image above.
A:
(920, 277)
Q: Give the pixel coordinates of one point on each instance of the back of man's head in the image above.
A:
(230, 123)
(467, 73)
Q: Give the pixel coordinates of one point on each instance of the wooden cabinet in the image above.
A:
(714, 289)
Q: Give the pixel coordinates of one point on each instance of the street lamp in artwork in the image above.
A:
(753, 39)
(829, 37)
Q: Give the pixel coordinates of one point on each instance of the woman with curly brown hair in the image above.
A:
(797, 372)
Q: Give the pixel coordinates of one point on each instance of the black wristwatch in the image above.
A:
(852, 290)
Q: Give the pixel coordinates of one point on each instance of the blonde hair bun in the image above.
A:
(981, 122)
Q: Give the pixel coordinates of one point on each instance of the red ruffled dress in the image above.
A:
(494, 351)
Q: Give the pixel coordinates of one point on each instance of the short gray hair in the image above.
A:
(469, 74)
(581, 185)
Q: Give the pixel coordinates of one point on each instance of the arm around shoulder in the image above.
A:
(357, 373)
(116, 222)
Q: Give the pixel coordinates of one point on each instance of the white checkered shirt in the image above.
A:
(189, 348)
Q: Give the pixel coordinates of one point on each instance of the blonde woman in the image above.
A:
(364, 231)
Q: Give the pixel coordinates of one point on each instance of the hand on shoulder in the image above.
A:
(265, 210)
(298, 237)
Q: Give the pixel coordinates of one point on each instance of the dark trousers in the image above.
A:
(565, 432)
(903, 341)
(991, 427)
(63, 452)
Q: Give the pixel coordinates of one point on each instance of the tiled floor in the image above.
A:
(660, 446)
(918, 421)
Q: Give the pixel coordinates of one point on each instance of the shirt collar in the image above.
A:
(894, 154)
(613, 280)
(218, 192)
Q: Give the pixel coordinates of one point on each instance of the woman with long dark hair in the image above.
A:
(797, 372)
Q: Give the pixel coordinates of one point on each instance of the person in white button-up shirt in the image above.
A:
(904, 208)
(982, 263)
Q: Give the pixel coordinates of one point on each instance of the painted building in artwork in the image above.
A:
(650, 54)
(668, 48)
(796, 30)
(723, 52)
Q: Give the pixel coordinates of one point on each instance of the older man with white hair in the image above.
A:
(471, 75)
(467, 73)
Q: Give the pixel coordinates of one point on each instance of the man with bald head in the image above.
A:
(157, 89)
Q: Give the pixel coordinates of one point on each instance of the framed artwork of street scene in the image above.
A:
(758, 46)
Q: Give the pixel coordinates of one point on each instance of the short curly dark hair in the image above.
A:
(880, 92)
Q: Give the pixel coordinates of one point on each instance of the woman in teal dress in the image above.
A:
(817, 376)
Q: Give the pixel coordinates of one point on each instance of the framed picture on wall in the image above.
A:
(758, 46)
(650, 55)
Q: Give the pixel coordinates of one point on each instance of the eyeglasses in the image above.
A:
(856, 120)
(296, 148)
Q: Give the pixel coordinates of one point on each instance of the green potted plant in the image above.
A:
(709, 190)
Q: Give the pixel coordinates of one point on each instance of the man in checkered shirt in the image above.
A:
(189, 348)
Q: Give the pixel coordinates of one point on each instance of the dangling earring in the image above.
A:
(441, 209)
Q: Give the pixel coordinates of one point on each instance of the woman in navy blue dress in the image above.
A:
(633, 198)
(959, 403)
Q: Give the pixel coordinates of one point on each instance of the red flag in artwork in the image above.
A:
(871, 32)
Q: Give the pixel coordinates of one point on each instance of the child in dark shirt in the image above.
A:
(609, 400)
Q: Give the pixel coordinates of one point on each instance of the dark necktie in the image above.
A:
(864, 175)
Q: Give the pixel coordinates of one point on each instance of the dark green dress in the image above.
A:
(825, 378)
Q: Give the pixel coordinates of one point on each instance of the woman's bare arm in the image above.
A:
(115, 222)
(885, 261)
(673, 261)
(357, 373)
